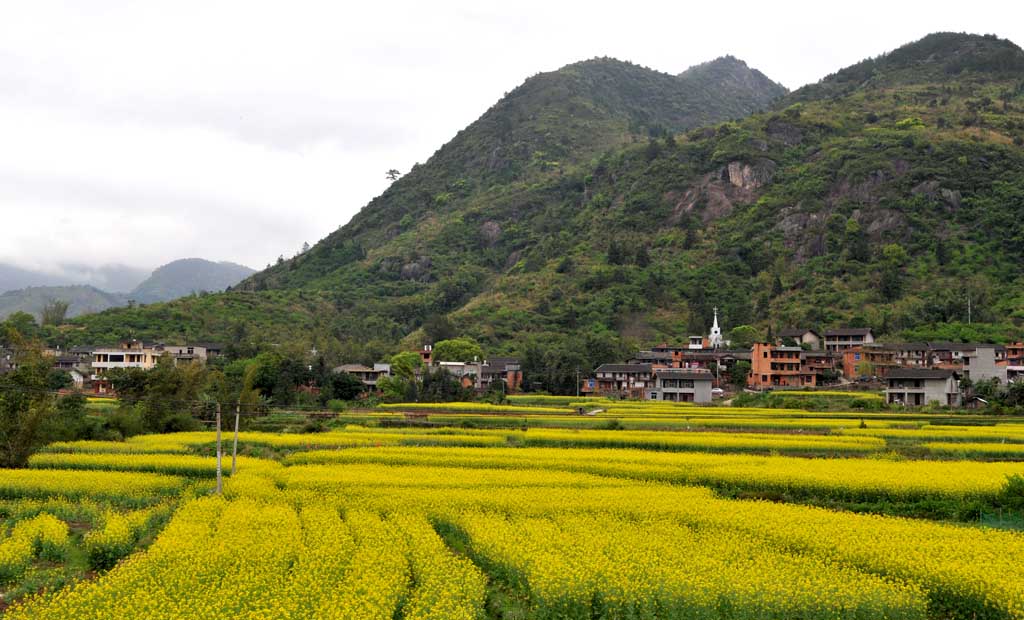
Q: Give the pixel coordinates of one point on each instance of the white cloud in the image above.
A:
(235, 130)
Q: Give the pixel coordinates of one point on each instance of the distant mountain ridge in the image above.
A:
(171, 281)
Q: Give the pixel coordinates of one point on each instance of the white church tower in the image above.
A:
(715, 337)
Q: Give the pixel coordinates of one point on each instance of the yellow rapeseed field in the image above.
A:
(464, 524)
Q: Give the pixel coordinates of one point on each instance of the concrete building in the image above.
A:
(684, 386)
(801, 336)
(980, 365)
(914, 387)
(847, 337)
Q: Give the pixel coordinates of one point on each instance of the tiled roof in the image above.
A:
(848, 331)
(679, 373)
(919, 373)
(624, 368)
(794, 332)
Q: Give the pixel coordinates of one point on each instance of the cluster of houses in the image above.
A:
(477, 375)
(88, 366)
(914, 374)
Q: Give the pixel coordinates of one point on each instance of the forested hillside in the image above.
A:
(605, 204)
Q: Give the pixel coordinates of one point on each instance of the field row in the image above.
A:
(848, 479)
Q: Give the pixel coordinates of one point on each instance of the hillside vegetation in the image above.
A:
(605, 204)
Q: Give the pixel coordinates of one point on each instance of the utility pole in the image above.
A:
(220, 481)
(968, 308)
(577, 382)
(234, 449)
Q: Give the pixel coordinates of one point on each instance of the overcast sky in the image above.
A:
(141, 132)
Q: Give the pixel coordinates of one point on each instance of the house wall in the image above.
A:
(980, 365)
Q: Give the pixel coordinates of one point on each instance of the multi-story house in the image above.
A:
(678, 385)
(801, 337)
(847, 337)
(869, 360)
(138, 354)
(949, 355)
(822, 364)
(628, 380)
(1015, 354)
(501, 369)
(369, 376)
(657, 359)
(777, 366)
(914, 387)
(910, 354)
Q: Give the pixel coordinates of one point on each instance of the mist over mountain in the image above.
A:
(114, 278)
(171, 281)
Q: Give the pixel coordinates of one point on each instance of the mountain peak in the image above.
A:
(934, 58)
(187, 275)
(731, 73)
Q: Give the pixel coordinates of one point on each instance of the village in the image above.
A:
(706, 368)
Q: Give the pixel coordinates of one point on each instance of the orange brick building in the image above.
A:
(776, 366)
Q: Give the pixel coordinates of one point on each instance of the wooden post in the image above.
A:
(220, 482)
(234, 449)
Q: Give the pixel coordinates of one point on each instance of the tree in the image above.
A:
(458, 350)
(393, 174)
(743, 336)
(20, 325)
(54, 312)
(406, 365)
(738, 373)
(26, 408)
(441, 386)
(343, 386)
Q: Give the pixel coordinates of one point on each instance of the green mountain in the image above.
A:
(604, 205)
(187, 276)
